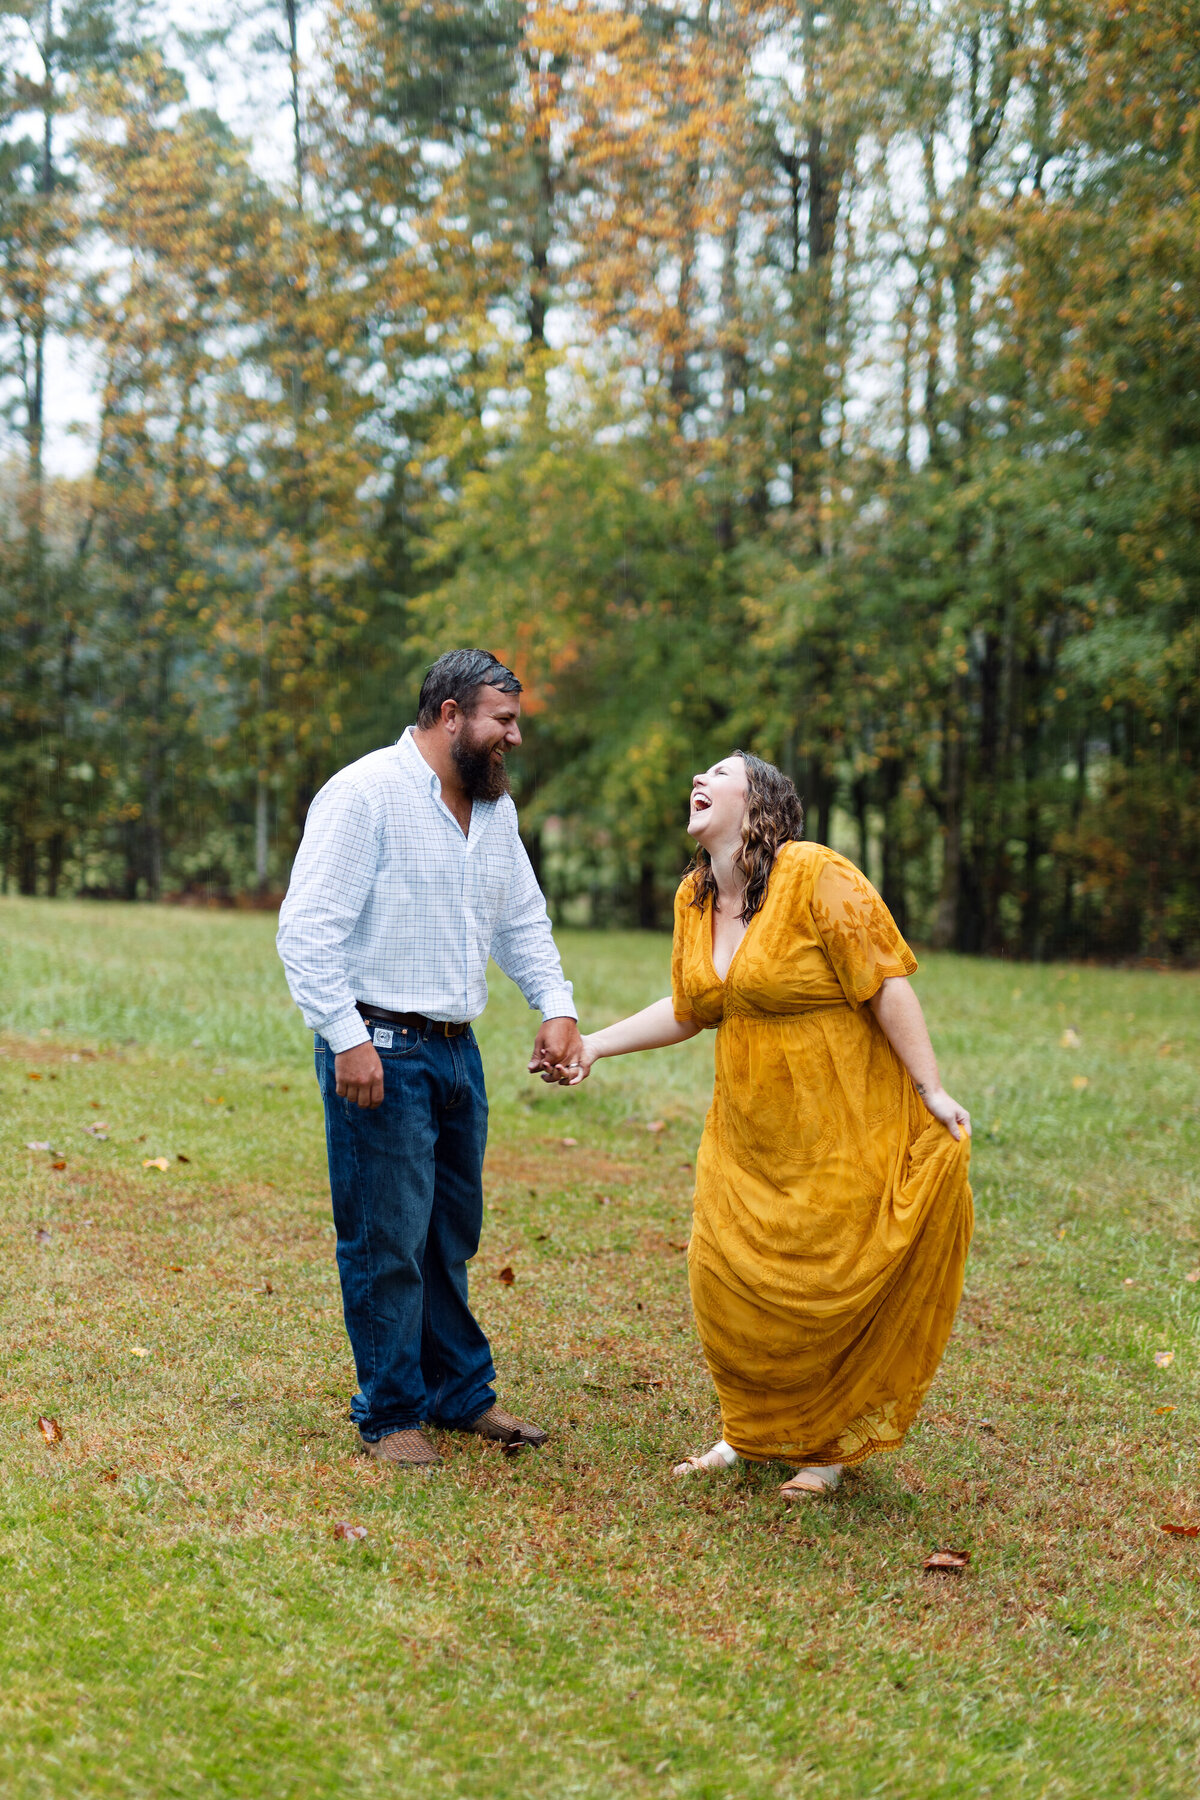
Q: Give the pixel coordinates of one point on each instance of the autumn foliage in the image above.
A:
(818, 380)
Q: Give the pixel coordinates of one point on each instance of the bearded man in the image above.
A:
(411, 874)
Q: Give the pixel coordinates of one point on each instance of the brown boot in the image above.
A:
(411, 1448)
(500, 1427)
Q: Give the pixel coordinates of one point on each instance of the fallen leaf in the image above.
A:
(96, 1127)
(1181, 1530)
(1192, 1275)
(51, 1430)
(657, 1125)
(506, 1276)
(674, 1246)
(108, 1475)
(604, 1200)
(541, 1237)
(569, 1143)
(1163, 1359)
(175, 1268)
(34, 1076)
(39, 1144)
(954, 1561)
(209, 1101)
(155, 1162)
(137, 1350)
(1129, 1281)
(351, 1533)
(180, 1157)
(1164, 1050)
(60, 1164)
(41, 1235)
(267, 1288)
(1070, 1039)
(1079, 1082)
(1164, 1409)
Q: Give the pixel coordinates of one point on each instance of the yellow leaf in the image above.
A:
(156, 1162)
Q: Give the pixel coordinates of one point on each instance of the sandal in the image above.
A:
(721, 1456)
(819, 1478)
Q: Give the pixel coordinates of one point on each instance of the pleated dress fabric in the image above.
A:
(832, 1213)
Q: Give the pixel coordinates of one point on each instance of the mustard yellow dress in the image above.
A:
(832, 1213)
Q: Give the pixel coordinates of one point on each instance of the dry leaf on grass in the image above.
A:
(51, 1430)
(569, 1143)
(98, 1129)
(155, 1162)
(34, 1076)
(1192, 1275)
(58, 1164)
(137, 1350)
(506, 1275)
(1181, 1530)
(1079, 1082)
(41, 1235)
(657, 1125)
(1163, 1359)
(1164, 1409)
(351, 1533)
(952, 1561)
(40, 1144)
(1070, 1039)
(182, 1158)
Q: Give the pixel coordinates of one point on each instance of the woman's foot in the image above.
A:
(821, 1478)
(719, 1457)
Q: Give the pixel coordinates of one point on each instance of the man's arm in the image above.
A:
(331, 880)
(523, 946)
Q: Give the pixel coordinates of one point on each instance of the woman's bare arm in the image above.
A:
(902, 1022)
(651, 1029)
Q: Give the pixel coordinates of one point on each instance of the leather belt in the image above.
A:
(412, 1021)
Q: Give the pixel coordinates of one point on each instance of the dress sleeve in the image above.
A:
(859, 934)
(679, 999)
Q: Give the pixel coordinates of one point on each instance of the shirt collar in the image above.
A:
(417, 766)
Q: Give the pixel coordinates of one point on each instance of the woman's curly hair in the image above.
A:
(774, 816)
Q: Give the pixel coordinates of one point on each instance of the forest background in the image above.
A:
(823, 380)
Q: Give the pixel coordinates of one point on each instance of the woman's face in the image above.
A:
(718, 805)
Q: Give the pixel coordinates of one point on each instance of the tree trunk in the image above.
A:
(647, 898)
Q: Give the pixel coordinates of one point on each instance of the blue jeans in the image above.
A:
(407, 1185)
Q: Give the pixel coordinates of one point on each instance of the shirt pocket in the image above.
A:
(491, 877)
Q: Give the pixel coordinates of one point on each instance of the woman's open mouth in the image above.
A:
(700, 803)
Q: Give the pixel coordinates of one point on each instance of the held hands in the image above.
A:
(557, 1052)
(952, 1115)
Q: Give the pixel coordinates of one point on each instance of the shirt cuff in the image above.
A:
(344, 1032)
(559, 1003)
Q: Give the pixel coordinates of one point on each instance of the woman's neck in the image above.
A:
(729, 877)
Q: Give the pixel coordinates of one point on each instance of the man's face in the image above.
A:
(483, 737)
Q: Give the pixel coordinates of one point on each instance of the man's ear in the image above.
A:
(452, 714)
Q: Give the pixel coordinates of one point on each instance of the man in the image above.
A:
(410, 873)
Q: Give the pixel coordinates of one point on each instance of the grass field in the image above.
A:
(177, 1616)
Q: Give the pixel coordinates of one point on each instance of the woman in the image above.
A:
(832, 1208)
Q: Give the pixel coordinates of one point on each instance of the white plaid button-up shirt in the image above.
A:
(389, 903)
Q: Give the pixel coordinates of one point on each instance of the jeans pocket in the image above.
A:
(403, 1044)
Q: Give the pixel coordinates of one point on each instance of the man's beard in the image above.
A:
(483, 776)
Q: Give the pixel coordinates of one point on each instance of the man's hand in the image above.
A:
(360, 1075)
(558, 1046)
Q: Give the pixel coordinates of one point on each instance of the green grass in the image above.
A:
(177, 1617)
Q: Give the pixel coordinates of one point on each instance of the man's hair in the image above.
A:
(459, 675)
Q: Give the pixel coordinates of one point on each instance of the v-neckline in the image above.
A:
(722, 980)
(737, 951)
